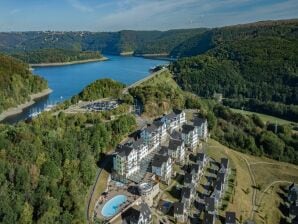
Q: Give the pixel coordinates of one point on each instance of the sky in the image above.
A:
(114, 15)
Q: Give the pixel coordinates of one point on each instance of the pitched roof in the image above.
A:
(124, 150)
(188, 178)
(186, 192)
(163, 151)
(230, 217)
(201, 157)
(195, 168)
(158, 123)
(224, 162)
(174, 143)
(208, 218)
(132, 215)
(158, 160)
(175, 135)
(186, 128)
(198, 121)
(178, 208)
(150, 128)
(210, 204)
(137, 143)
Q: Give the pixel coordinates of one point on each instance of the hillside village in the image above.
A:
(168, 151)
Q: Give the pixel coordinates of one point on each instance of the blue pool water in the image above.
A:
(67, 81)
(112, 206)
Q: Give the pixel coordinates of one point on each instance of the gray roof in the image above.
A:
(137, 143)
(175, 135)
(188, 178)
(174, 143)
(132, 215)
(173, 114)
(186, 128)
(186, 192)
(195, 168)
(158, 160)
(199, 121)
(150, 128)
(230, 217)
(163, 151)
(178, 208)
(210, 204)
(224, 162)
(200, 157)
(124, 150)
(208, 218)
(158, 123)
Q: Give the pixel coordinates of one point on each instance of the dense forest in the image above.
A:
(55, 56)
(101, 88)
(17, 82)
(140, 42)
(47, 167)
(248, 134)
(257, 61)
(161, 94)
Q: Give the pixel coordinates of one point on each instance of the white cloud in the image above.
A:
(77, 4)
(14, 11)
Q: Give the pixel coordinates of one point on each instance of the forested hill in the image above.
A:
(139, 42)
(55, 56)
(17, 82)
(256, 63)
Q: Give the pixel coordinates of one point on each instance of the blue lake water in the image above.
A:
(67, 81)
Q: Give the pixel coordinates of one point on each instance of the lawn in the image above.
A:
(264, 117)
(265, 172)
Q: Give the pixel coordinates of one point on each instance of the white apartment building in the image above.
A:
(125, 162)
(201, 125)
(177, 150)
(190, 136)
(162, 167)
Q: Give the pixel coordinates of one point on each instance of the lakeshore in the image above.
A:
(68, 63)
(19, 109)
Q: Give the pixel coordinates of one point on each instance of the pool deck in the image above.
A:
(114, 190)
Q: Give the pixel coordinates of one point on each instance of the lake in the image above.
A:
(67, 81)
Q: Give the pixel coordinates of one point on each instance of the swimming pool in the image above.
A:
(112, 206)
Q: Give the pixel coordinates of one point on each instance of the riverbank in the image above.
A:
(16, 110)
(68, 63)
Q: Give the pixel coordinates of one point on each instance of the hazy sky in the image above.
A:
(112, 15)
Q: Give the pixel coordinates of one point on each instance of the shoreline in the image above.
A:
(19, 109)
(67, 63)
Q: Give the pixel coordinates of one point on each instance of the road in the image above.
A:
(144, 79)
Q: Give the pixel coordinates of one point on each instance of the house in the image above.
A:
(224, 165)
(161, 128)
(162, 167)
(201, 159)
(180, 212)
(189, 180)
(230, 218)
(177, 150)
(125, 161)
(196, 170)
(174, 120)
(293, 211)
(209, 218)
(139, 215)
(151, 136)
(210, 205)
(141, 147)
(189, 135)
(201, 125)
(293, 193)
(219, 187)
(187, 194)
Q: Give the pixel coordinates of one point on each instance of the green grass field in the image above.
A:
(264, 117)
(268, 174)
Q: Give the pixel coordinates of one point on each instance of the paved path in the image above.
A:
(268, 187)
(144, 79)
